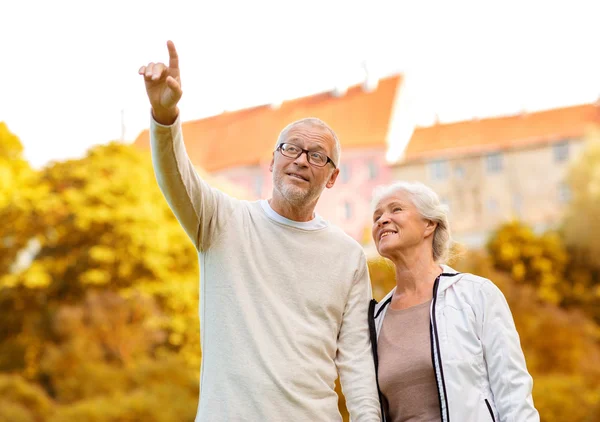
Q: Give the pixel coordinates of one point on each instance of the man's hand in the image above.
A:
(163, 86)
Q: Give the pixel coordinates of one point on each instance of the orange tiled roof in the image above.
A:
(245, 137)
(474, 136)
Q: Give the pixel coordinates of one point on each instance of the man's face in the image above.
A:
(297, 180)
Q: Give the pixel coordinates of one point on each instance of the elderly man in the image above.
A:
(284, 294)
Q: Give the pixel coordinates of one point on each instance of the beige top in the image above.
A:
(283, 304)
(406, 376)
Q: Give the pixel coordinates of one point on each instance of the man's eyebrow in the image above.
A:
(317, 147)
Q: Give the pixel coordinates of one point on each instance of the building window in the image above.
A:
(494, 162)
(517, 200)
(561, 151)
(438, 170)
(345, 173)
(373, 170)
(492, 205)
(445, 201)
(459, 172)
(564, 193)
(347, 210)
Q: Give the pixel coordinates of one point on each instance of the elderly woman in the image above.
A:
(445, 344)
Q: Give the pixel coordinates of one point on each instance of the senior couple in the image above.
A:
(286, 302)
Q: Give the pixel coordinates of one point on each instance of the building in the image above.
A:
(496, 169)
(237, 146)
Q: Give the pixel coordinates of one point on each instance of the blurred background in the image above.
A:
(495, 105)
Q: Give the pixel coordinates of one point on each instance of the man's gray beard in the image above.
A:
(295, 195)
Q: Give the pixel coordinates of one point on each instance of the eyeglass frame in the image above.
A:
(305, 151)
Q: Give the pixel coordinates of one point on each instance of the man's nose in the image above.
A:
(302, 159)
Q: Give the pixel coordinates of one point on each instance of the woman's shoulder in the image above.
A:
(477, 288)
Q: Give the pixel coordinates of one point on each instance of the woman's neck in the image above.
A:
(415, 276)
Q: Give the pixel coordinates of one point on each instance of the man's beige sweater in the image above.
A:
(283, 304)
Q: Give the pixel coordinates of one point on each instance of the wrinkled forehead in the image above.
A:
(399, 196)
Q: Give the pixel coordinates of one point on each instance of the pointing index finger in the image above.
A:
(173, 57)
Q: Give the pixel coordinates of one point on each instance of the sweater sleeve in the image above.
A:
(509, 379)
(200, 209)
(354, 356)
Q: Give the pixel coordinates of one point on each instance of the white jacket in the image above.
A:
(476, 352)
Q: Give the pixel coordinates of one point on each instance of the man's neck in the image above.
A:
(292, 211)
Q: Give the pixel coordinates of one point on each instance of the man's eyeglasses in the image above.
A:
(316, 158)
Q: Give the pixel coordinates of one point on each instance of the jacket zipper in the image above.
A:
(434, 336)
(487, 403)
(373, 335)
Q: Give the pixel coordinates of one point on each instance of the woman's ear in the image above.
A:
(430, 227)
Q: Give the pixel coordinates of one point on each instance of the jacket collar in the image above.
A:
(448, 277)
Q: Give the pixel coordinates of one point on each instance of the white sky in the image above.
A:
(68, 68)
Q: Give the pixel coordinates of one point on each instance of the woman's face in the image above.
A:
(397, 225)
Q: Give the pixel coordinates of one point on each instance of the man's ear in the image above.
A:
(272, 162)
(332, 178)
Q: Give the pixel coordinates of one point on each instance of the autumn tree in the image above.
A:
(581, 226)
(19, 188)
(98, 288)
(536, 259)
(582, 223)
(561, 346)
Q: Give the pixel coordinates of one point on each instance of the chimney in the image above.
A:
(370, 81)
(339, 91)
(122, 125)
(275, 104)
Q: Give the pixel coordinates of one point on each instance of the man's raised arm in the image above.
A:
(196, 205)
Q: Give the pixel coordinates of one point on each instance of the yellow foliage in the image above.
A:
(562, 347)
(582, 224)
(537, 260)
(21, 401)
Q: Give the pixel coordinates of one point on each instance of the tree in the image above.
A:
(21, 401)
(580, 227)
(19, 188)
(103, 225)
(560, 345)
(103, 308)
(538, 260)
(581, 223)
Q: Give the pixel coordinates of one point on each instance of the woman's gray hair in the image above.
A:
(428, 204)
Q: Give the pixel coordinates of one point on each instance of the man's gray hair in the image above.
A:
(337, 149)
(429, 206)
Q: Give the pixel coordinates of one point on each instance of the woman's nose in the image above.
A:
(383, 220)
